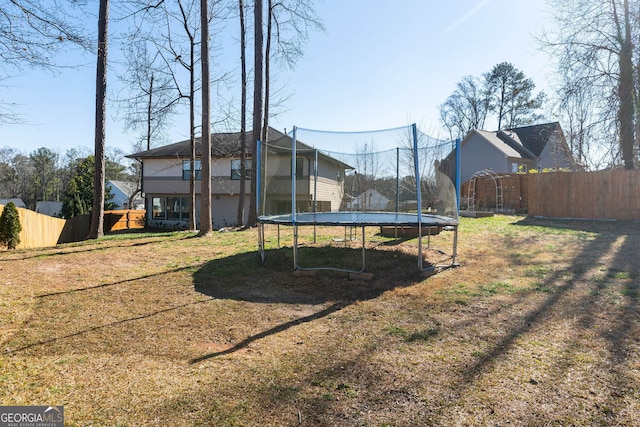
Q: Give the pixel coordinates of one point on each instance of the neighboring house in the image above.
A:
(18, 202)
(50, 208)
(370, 200)
(166, 171)
(126, 194)
(515, 150)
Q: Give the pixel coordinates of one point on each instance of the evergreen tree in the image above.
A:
(78, 198)
(10, 226)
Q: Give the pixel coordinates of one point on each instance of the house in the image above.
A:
(370, 200)
(125, 194)
(166, 171)
(51, 208)
(515, 150)
(17, 202)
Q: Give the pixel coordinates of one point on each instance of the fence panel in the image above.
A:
(38, 230)
(123, 219)
(610, 194)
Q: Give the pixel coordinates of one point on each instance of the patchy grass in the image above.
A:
(539, 326)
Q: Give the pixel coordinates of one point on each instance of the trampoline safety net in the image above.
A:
(386, 177)
(390, 170)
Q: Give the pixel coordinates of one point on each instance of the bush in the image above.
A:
(10, 226)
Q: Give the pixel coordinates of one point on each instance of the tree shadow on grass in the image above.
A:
(572, 293)
(242, 277)
(586, 225)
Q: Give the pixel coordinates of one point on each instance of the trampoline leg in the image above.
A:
(295, 247)
(455, 246)
(261, 241)
(363, 249)
(420, 254)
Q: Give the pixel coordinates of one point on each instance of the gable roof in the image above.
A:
(125, 187)
(536, 137)
(18, 202)
(501, 145)
(48, 207)
(525, 142)
(222, 145)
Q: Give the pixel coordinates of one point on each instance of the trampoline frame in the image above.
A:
(360, 218)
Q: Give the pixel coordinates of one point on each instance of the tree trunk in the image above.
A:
(625, 87)
(192, 139)
(206, 227)
(267, 63)
(149, 113)
(243, 116)
(257, 104)
(96, 229)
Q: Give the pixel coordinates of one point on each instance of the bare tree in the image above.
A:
(16, 172)
(148, 97)
(504, 92)
(466, 108)
(34, 31)
(171, 28)
(96, 228)
(8, 111)
(594, 44)
(574, 107)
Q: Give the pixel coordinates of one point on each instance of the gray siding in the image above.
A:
(478, 154)
(554, 154)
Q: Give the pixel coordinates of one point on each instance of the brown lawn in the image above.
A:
(539, 326)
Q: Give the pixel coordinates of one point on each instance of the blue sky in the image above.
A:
(380, 64)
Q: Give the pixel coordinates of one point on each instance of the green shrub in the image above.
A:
(10, 226)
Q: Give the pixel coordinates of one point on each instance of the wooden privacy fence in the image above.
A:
(39, 231)
(610, 194)
(123, 219)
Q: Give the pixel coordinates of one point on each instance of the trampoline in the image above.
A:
(291, 178)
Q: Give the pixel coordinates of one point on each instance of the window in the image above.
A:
(186, 169)
(157, 209)
(299, 168)
(170, 208)
(173, 208)
(235, 169)
(518, 168)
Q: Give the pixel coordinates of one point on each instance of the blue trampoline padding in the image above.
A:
(358, 219)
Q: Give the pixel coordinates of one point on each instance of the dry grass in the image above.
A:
(540, 326)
